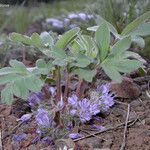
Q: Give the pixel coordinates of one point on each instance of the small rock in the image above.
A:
(126, 89)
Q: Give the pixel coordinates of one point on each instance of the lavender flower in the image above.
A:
(106, 100)
(94, 109)
(19, 137)
(35, 140)
(47, 140)
(60, 104)
(69, 126)
(84, 106)
(83, 16)
(84, 109)
(43, 118)
(75, 135)
(35, 98)
(52, 90)
(73, 100)
(25, 118)
(55, 22)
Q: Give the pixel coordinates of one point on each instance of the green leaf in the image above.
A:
(19, 89)
(110, 26)
(102, 36)
(33, 83)
(85, 74)
(19, 81)
(58, 53)
(133, 25)
(142, 30)
(134, 55)
(139, 41)
(60, 62)
(7, 70)
(36, 40)
(40, 63)
(121, 46)
(7, 94)
(20, 38)
(8, 78)
(117, 64)
(18, 65)
(112, 72)
(47, 39)
(67, 38)
(127, 65)
(82, 61)
(42, 67)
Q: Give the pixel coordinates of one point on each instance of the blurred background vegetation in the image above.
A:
(28, 16)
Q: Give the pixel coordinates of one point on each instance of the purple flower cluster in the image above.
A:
(86, 108)
(44, 118)
(83, 108)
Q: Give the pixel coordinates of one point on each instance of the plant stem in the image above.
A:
(67, 85)
(80, 88)
(58, 84)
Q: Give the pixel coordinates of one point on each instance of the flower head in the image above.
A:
(43, 118)
(52, 90)
(19, 137)
(94, 108)
(106, 99)
(73, 100)
(84, 108)
(35, 98)
(25, 118)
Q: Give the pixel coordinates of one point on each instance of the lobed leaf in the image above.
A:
(85, 74)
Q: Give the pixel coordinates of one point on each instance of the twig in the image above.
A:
(8, 134)
(1, 146)
(108, 129)
(93, 135)
(125, 129)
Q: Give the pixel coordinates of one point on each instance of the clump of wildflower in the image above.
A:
(35, 98)
(84, 109)
(43, 118)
